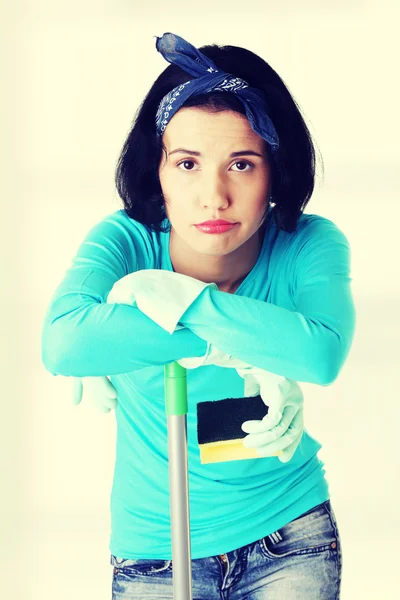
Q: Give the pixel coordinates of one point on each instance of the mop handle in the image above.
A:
(175, 389)
(176, 409)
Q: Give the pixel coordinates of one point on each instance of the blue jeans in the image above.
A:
(300, 561)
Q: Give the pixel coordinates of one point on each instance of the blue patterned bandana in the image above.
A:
(207, 78)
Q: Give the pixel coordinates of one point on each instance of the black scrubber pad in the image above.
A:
(220, 420)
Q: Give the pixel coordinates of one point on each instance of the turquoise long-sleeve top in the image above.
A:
(292, 315)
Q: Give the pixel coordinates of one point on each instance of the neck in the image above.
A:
(227, 271)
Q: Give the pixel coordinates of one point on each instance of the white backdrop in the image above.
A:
(73, 75)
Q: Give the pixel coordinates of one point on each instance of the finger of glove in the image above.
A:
(77, 390)
(99, 386)
(257, 440)
(263, 426)
(197, 361)
(273, 418)
(295, 395)
(287, 453)
(275, 447)
(286, 446)
(226, 360)
(189, 363)
(104, 404)
(192, 363)
(266, 424)
(271, 448)
(101, 407)
(110, 390)
(109, 402)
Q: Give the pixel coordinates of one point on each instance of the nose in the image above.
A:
(213, 192)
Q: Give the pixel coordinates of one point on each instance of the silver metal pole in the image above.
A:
(179, 505)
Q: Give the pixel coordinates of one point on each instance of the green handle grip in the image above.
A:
(175, 389)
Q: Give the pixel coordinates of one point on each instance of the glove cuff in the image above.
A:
(197, 361)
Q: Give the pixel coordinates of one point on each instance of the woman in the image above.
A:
(218, 137)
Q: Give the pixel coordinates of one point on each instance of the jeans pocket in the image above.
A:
(313, 532)
(140, 566)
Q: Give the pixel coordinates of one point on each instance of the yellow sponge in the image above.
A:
(224, 451)
(219, 431)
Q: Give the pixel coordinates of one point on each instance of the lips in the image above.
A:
(215, 226)
(215, 222)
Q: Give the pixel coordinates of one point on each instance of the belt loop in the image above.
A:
(275, 537)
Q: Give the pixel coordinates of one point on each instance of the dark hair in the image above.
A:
(292, 165)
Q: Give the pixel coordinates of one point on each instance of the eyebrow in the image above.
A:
(232, 155)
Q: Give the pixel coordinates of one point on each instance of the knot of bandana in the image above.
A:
(208, 78)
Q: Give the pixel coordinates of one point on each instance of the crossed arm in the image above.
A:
(84, 336)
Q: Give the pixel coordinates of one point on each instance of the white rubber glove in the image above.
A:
(99, 389)
(146, 286)
(145, 289)
(163, 296)
(213, 356)
(280, 431)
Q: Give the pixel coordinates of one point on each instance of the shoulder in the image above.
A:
(316, 231)
(309, 224)
(317, 244)
(118, 225)
(320, 249)
(123, 237)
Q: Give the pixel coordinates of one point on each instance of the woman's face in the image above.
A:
(202, 180)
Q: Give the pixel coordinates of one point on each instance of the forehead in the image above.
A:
(189, 125)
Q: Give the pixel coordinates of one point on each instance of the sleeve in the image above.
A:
(309, 343)
(84, 336)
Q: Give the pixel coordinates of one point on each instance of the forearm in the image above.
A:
(84, 336)
(273, 338)
(110, 339)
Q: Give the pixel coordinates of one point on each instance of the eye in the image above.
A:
(185, 162)
(242, 163)
(246, 164)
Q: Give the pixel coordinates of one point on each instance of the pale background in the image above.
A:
(73, 74)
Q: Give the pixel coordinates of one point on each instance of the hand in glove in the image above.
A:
(280, 431)
(213, 356)
(144, 290)
(152, 290)
(100, 389)
(163, 296)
